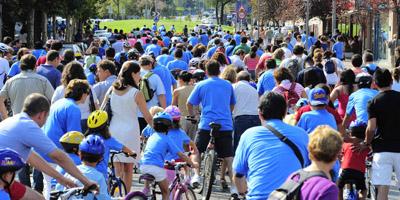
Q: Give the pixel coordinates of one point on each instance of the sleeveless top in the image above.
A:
(184, 94)
(343, 99)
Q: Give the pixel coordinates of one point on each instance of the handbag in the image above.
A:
(106, 106)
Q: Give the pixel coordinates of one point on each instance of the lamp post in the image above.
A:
(333, 16)
(307, 19)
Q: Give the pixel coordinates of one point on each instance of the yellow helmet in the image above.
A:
(97, 118)
(72, 137)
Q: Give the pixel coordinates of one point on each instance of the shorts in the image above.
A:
(17, 190)
(159, 173)
(356, 176)
(223, 142)
(383, 165)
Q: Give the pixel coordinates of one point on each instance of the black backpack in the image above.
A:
(369, 70)
(291, 189)
(294, 66)
(329, 66)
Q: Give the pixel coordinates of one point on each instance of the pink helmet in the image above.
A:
(174, 112)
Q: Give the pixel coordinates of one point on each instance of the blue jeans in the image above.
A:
(241, 123)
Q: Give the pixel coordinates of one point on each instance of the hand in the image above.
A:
(358, 147)
(350, 139)
(66, 182)
(92, 186)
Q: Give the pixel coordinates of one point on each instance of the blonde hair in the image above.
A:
(229, 74)
(155, 109)
(325, 144)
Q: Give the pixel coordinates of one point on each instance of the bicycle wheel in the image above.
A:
(136, 196)
(209, 176)
(185, 195)
(372, 192)
(118, 190)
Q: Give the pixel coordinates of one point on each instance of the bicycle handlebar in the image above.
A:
(113, 153)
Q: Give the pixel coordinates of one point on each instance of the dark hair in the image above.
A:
(91, 158)
(383, 78)
(212, 67)
(253, 51)
(312, 78)
(240, 52)
(233, 43)
(69, 56)
(358, 131)
(21, 52)
(298, 50)
(396, 74)
(283, 73)
(110, 52)
(107, 65)
(7, 40)
(220, 57)
(76, 88)
(27, 62)
(243, 40)
(197, 51)
(165, 50)
(185, 76)
(357, 60)
(270, 64)
(38, 45)
(368, 57)
(138, 46)
(125, 78)
(161, 127)
(70, 148)
(94, 50)
(35, 103)
(56, 45)
(272, 106)
(178, 53)
(52, 55)
(72, 70)
(347, 78)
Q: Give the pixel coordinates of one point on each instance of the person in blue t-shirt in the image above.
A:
(193, 39)
(318, 115)
(217, 100)
(237, 37)
(154, 27)
(266, 82)
(164, 58)
(49, 69)
(338, 48)
(228, 36)
(204, 38)
(15, 69)
(166, 40)
(212, 50)
(369, 65)
(358, 100)
(167, 79)
(229, 49)
(91, 151)
(70, 142)
(153, 48)
(38, 50)
(157, 147)
(261, 159)
(178, 63)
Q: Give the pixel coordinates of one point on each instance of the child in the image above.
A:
(97, 125)
(148, 130)
(353, 163)
(158, 145)
(70, 142)
(10, 162)
(91, 152)
(291, 119)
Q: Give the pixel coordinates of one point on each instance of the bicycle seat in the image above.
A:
(147, 177)
(215, 126)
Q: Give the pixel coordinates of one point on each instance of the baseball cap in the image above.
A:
(301, 102)
(318, 97)
(127, 45)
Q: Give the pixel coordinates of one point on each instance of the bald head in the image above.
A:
(243, 76)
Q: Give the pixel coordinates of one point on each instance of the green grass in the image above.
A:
(128, 25)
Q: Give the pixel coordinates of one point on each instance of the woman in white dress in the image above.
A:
(126, 101)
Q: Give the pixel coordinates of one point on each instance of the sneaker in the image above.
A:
(146, 192)
(195, 182)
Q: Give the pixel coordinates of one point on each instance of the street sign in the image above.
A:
(242, 13)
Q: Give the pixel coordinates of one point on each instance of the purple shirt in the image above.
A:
(51, 73)
(318, 188)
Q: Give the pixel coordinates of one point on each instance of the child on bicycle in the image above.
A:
(157, 148)
(10, 162)
(91, 152)
(353, 163)
(70, 143)
(148, 130)
(97, 125)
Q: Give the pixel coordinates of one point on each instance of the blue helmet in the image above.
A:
(92, 144)
(10, 161)
(162, 118)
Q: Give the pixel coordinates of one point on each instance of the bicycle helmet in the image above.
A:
(199, 75)
(92, 144)
(72, 137)
(363, 79)
(10, 161)
(97, 119)
(3, 47)
(163, 118)
(93, 68)
(174, 112)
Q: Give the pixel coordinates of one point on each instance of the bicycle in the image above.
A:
(116, 187)
(372, 191)
(72, 193)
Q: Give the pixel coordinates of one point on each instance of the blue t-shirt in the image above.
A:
(204, 39)
(157, 147)
(38, 52)
(260, 52)
(4, 195)
(166, 40)
(110, 144)
(154, 48)
(164, 59)
(51, 73)
(91, 78)
(237, 38)
(193, 41)
(310, 120)
(177, 64)
(215, 96)
(227, 36)
(74, 157)
(64, 116)
(338, 48)
(168, 81)
(358, 102)
(265, 160)
(148, 131)
(211, 51)
(229, 50)
(187, 56)
(179, 137)
(14, 70)
(266, 82)
(117, 56)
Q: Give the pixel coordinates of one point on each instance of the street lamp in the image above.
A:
(307, 19)
(333, 16)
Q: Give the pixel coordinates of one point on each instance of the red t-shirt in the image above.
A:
(307, 108)
(261, 62)
(41, 60)
(353, 160)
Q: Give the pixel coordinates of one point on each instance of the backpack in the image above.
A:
(369, 70)
(145, 88)
(294, 66)
(290, 95)
(122, 58)
(291, 189)
(329, 67)
(89, 61)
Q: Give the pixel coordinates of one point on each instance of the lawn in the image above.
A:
(128, 25)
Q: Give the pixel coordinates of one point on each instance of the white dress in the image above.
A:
(124, 125)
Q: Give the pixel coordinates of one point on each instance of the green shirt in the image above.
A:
(243, 47)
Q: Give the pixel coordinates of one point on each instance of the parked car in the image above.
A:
(75, 47)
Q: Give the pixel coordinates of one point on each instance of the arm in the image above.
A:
(187, 160)
(371, 128)
(128, 151)
(240, 183)
(162, 100)
(232, 107)
(3, 109)
(175, 97)
(141, 102)
(334, 95)
(189, 106)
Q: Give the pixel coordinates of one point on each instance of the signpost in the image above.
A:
(241, 15)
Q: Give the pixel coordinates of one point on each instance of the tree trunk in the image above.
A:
(1, 20)
(221, 21)
(54, 26)
(44, 27)
(68, 29)
(31, 28)
(216, 11)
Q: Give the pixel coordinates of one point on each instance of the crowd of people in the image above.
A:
(288, 106)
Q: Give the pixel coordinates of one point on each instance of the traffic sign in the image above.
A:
(242, 13)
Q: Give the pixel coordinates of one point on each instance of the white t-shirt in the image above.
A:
(84, 108)
(4, 68)
(246, 99)
(237, 62)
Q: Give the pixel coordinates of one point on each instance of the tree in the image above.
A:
(219, 6)
(269, 10)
